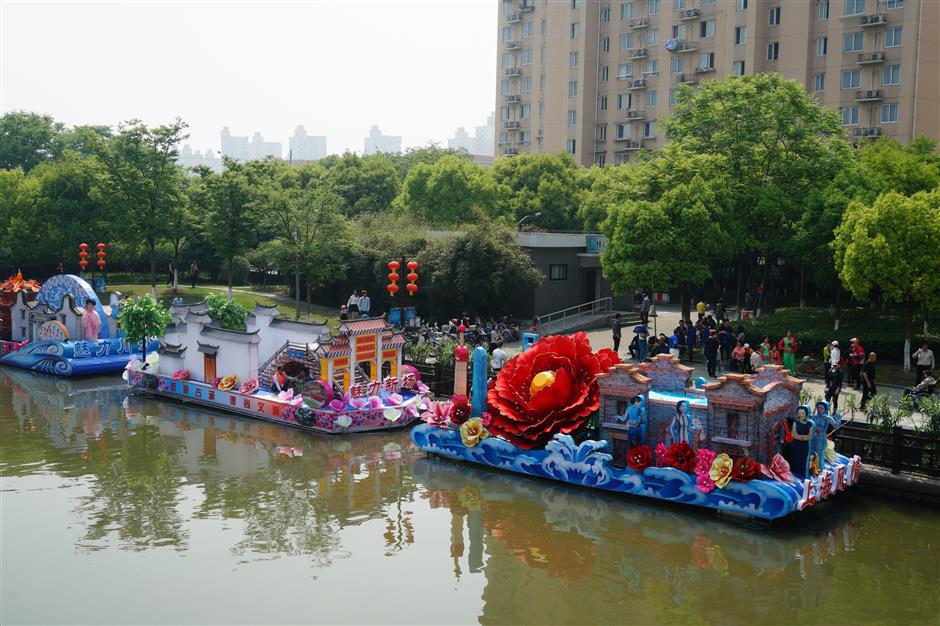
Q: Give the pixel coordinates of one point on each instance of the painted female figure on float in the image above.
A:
(800, 450)
(91, 321)
(682, 428)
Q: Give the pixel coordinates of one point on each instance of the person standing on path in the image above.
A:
(690, 337)
(352, 305)
(645, 309)
(172, 269)
(923, 358)
(856, 359)
(710, 349)
(498, 358)
(193, 274)
(834, 378)
(615, 329)
(835, 354)
(788, 347)
(365, 304)
(868, 380)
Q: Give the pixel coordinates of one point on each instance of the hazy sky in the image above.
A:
(417, 69)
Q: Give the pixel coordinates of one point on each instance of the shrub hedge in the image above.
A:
(879, 331)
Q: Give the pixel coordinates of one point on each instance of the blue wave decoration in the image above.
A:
(75, 358)
(565, 461)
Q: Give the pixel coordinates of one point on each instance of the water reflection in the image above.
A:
(142, 477)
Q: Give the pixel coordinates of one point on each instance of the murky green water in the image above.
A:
(131, 510)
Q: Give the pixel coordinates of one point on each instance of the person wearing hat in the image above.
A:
(835, 354)
(856, 358)
(344, 312)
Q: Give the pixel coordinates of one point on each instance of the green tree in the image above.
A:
(429, 155)
(479, 270)
(231, 216)
(143, 319)
(19, 216)
(141, 181)
(539, 183)
(450, 191)
(366, 184)
(28, 139)
(780, 146)
(667, 223)
(892, 245)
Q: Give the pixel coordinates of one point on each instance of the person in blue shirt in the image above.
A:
(690, 340)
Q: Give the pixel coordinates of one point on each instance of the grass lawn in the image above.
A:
(165, 295)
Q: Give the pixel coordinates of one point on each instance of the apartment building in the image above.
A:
(594, 77)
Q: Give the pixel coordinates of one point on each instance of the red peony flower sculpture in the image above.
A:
(550, 388)
(745, 469)
(681, 456)
(639, 458)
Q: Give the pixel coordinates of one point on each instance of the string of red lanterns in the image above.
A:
(83, 256)
(392, 286)
(412, 277)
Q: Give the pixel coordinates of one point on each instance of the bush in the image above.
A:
(879, 331)
(228, 313)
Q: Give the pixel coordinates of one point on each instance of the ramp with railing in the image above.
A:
(593, 314)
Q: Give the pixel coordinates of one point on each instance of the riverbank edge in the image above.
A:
(911, 487)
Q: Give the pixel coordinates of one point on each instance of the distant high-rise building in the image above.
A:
(304, 147)
(482, 142)
(188, 157)
(377, 142)
(593, 77)
(241, 149)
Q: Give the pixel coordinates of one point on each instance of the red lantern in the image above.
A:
(83, 246)
(412, 265)
(101, 246)
(393, 265)
(392, 288)
(393, 277)
(83, 255)
(412, 277)
(83, 264)
(101, 264)
(412, 288)
(100, 254)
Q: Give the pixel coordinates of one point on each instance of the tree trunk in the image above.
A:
(309, 300)
(684, 303)
(802, 273)
(143, 350)
(230, 260)
(908, 332)
(764, 284)
(737, 295)
(297, 289)
(153, 267)
(838, 301)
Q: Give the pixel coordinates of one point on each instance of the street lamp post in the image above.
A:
(525, 217)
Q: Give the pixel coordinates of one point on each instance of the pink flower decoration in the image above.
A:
(337, 405)
(375, 402)
(487, 419)
(393, 399)
(422, 388)
(704, 483)
(779, 469)
(704, 462)
(660, 454)
(438, 413)
(358, 403)
(411, 410)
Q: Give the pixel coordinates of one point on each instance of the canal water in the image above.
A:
(119, 508)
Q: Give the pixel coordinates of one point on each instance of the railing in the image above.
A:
(273, 357)
(897, 449)
(871, 57)
(573, 314)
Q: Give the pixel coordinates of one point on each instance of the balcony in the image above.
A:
(639, 54)
(686, 79)
(510, 151)
(866, 132)
(627, 143)
(636, 116)
(513, 71)
(513, 99)
(870, 58)
(512, 18)
(870, 95)
(639, 83)
(873, 20)
(704, 70)
(688, 14)
(682, 46)
(510, 125)
(513, 45)
(643, 22)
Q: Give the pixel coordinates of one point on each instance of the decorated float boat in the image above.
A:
(44, 328)
(742, 445)
(295, 373)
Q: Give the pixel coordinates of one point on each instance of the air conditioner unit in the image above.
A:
(872, 93)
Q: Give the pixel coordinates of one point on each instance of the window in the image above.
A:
(649, 130)
(626, 41)
(605, 14)
(600, 159)
(891, 5)
(600, 132)
(851, 79)
(773, 51)
(891, 75)
(707, 2)
(527, 30)
(544, 27)
(673, 96)
(737, 68)
(621, 157)
(575, 4)
(653, 7)
(503, 138)
(854, 7)
(652, 37)
(605, 44)
(572, 88)
(773, 16)
(853, 42)
(575, 30)
(622, 131)
(707, 28)
(505, 59)
(625, 71)
(822, 10)
(541, 110)
(893, 37)
(889, 113)
(626, 10)
(569, 148)
(623, 101)
(602, 103)
(505, 87)
(507, 33)
(524, 136)
(503, 113)
(525, 111)
(605, 74)
(560, 271)
(678, 5)
(675, 65)
(849, 116)
(740, 35)
(572, 118)
(541, 82)
(652, 67)
(680, 31)
(540, 136)
(573, 59)
(650, 98)
(507, 6)
(740, 5)
(822, 46)
(527, 57)
(819, 81)
(706, 61)
(526, 83)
